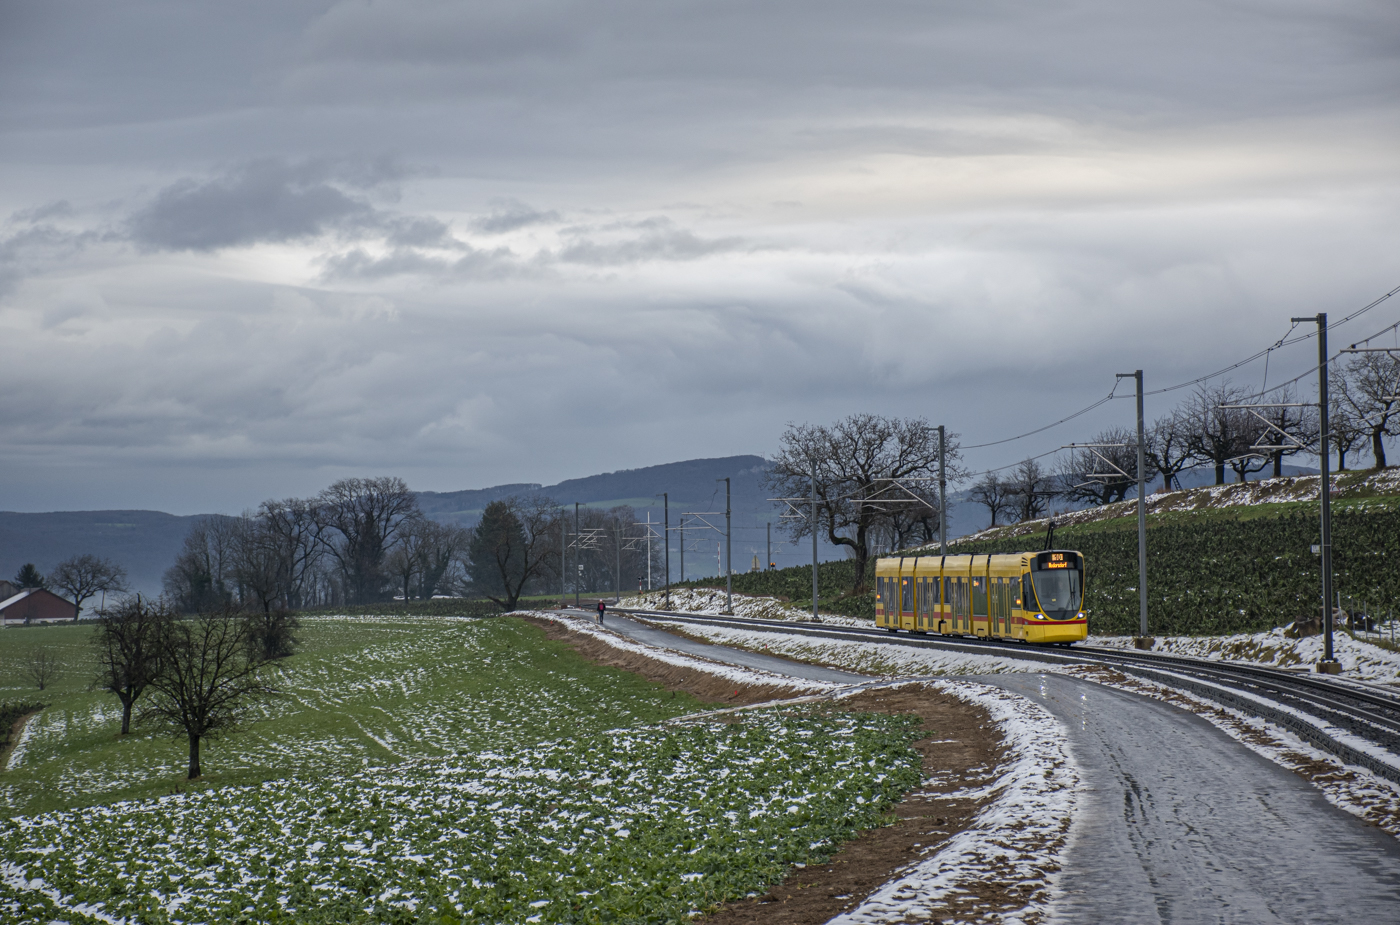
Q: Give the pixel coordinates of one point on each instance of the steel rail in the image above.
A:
(1312, 708)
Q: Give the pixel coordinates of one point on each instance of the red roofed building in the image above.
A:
(36, 605)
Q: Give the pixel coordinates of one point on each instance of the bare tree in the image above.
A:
(361, 519)
(404, 561)
(1347, 431)
(1102, 474)
(993, 493)
(272, 633)
(82, 577)
(1032, 489)
(439, 546)
(859, 462)
(202, 577)
(513, 543)
(210, 671)
(1371, 392)
(128, 642)
(1217, 435)
(43, 667)
(293, 528)
(1289, 430)
(1169, 449)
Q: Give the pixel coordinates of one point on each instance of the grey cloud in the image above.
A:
(263, 201)
(510, 214)
(660, 240)
(473, 264)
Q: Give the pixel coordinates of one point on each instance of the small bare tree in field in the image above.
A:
(211, 669)
(128, 643)
(43, 668)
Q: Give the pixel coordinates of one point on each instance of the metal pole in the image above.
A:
(728, 559)
(814, 540)
(577, 566)
(1141, 512)
(563, 561)
(682, 531)
(648, 550)
(1325, 489)
(666, 533)
(942, 491)
(768, 562)
(617, 585)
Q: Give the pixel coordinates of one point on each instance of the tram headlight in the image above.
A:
(1040, 616)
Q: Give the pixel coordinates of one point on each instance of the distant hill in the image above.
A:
(693, 485)
(142, 542)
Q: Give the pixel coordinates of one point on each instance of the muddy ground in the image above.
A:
(961, 750)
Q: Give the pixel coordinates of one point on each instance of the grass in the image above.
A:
(425, 769)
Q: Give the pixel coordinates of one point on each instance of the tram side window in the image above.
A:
(1027, 594)
(907, 603)
(979, 597)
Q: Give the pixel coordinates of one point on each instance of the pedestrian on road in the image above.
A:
(602, 606)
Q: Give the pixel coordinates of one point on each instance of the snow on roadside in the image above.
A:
(873, 658)
(712, 601)
(1360, 660)
(735, 673)
(1016, 839)
(17, 753)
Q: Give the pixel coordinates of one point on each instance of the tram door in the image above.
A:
(906, 603)
(979, 602)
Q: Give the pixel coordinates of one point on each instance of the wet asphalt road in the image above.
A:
(1177, 822)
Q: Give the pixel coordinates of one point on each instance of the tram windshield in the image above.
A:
(1057, 590)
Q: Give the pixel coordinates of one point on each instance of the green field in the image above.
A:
(428, 770)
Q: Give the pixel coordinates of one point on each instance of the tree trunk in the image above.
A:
(1378, 447)
(194, 757)
(1341, 460)
(127, 701)
(1220, 472)
(1278, 465)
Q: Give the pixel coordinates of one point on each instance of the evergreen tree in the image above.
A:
(29, 577)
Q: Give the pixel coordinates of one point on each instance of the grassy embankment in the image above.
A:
(428, 769)
(1213, 567)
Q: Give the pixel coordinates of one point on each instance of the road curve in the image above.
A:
(1179, 823)
(1176, 822)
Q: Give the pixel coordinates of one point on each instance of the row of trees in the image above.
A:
(365, 540)
(202, 671)
(1206, 431)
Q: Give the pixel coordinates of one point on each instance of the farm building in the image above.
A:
(36, 605)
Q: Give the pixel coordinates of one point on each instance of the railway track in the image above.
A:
(1360, 725)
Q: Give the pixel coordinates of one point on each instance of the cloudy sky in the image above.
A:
(246, 249)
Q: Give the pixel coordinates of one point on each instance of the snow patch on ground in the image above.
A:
(735, 673)
(1360, 660)
(712, 601)
(872, 658)
(1017, 839)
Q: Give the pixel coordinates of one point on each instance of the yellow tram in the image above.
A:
(1030, 596)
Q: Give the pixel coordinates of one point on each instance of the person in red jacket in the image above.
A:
(602, 606)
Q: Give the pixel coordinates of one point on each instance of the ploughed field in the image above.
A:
(429, 770)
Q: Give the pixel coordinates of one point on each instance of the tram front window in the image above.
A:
(1058, 592)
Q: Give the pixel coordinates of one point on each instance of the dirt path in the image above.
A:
(961, 752)
(16, 729)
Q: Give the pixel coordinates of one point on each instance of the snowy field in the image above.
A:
(712, 602)
(503, 781)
